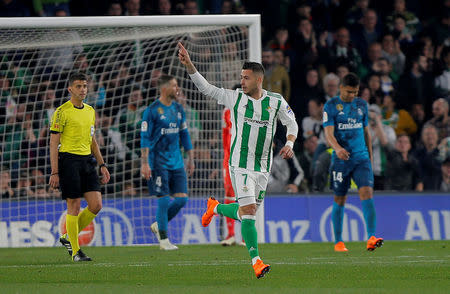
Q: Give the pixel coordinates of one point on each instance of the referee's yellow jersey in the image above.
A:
(76, 125)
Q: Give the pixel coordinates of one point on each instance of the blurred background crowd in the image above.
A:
(400, 50)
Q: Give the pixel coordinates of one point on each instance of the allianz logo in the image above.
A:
(353, 228)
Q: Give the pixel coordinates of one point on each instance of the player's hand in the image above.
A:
(183, 55)
(54, 181)
(286, 152)
(190, 166)
(342, 154)
(291, 188)
(146, 172)
(105, 175)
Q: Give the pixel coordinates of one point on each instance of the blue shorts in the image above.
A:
(341, 173)
(167, 182)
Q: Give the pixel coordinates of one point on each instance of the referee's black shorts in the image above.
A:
(77, 175)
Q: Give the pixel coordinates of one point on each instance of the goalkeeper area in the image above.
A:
(398, 267)
(123, 58)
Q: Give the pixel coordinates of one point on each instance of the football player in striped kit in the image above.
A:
(254, 113)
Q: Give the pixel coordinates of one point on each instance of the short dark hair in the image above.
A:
(78, 76)
(254, 66)
(164, 79)
(351, 80)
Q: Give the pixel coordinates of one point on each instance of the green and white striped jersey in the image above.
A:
(254, 123)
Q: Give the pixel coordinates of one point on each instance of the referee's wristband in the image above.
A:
(290, 144)
(102, 165)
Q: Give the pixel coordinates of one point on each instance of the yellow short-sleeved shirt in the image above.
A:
(76, 125)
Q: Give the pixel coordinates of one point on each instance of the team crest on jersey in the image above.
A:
(144, 126)
(360, 111)
(339, 107)
(269, 109)
(160, 110)
(245, 189)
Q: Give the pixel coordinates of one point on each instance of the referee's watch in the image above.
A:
(102, 165)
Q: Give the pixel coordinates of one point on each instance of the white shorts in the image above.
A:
(249, 186)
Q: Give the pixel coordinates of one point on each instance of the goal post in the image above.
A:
(123, 57)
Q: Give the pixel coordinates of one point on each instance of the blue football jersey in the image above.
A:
(160, 132)
(349, 120)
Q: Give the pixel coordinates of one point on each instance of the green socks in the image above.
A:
(250, 235)
(229, 210)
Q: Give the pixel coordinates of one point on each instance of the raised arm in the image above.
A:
(223, 96)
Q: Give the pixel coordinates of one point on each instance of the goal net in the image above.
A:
(123, 57)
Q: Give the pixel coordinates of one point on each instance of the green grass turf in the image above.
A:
(397, 267)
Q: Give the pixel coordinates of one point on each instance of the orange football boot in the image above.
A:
(261, 269)
(340, 247)
(209, 213)
(374, 242)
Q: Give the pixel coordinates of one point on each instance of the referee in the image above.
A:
(74, 165)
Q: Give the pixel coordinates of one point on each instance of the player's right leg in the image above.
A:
(339, 182)
(158, 185)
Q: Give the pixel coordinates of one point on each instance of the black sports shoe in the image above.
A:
(66, 243)
(80, 256)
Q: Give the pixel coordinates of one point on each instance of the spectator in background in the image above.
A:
(279, 58)
(428, 157)
(342, 70)
(281, 40)
(366, 33)
(305, 47)
(340, 52)
(442, 81)
(5, 184)
(364, 93)
(128, 120)
(276, 78)
(445, 169)
(13, 8)
(441, 119)
(416, 86)
(418, 115)
(383, 136)
(399, 119)
(387, 78)
(50, 7)
(7, 102)
(391, 51)
(286, 175)
(374, 52)
(305, 160)
(132, 7)
(331, 86)
(402, 169)
(312, 126)
(164, 7)
(401, 32)
(128, 189)
(374, 85)
(192, 117)
(356, 13)
(190, 7)
(412, 22)
(24, 185)
(310, 89)
(114, 8)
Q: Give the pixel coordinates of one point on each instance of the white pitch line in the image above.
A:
(223, 263)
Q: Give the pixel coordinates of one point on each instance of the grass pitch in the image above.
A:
(397, 267)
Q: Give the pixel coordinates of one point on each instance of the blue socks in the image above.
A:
(369, 216)
(175, 206)
(166, 211)
(337, 216)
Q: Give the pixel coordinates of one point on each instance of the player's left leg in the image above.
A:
(363, 177)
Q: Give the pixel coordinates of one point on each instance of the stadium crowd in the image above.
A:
(400, 50)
